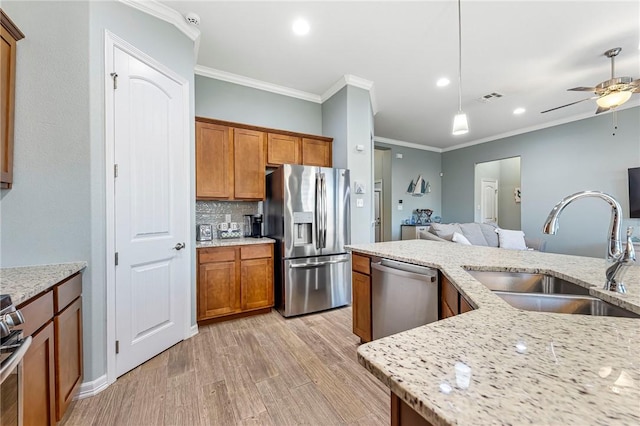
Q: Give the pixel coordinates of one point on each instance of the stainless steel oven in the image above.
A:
(13, 347)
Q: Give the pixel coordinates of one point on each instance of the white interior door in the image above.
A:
(151, 214)
(489, 200)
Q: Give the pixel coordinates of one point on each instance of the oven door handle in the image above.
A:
(10, 363)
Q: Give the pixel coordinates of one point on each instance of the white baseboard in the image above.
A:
(93, 388)
(194, 330)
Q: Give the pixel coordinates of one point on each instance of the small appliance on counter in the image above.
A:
(256, 226)
(204, 233)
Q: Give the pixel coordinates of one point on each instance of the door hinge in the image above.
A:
(117, 346)
(115, 170)
(116, 258)
(114, 76)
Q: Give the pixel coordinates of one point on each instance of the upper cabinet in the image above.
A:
(232, 158)
(316, 152)
(10, 35)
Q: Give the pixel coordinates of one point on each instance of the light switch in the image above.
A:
(398, 155)
(399, 206)
(359, 202)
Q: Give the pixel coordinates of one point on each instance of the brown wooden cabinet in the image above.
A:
(452, 303)
(317, 152)
(234, 280)
(282, 149)
(53, 368)
(361, 296)
(39, 379)
(10, 34)
(248, 164)
(214, 161)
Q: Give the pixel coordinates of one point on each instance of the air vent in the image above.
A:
(490, 97)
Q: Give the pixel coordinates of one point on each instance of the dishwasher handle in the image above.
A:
(406, 270)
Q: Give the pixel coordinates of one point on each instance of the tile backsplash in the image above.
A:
(212, 212)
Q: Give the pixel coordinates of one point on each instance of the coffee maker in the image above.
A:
(256, 226)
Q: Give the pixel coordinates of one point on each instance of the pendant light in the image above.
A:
(460, 125)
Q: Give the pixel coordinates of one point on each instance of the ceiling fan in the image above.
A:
(611, 93)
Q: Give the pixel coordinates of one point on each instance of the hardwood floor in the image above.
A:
(262, 370)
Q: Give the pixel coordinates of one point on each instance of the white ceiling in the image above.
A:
(529, 51)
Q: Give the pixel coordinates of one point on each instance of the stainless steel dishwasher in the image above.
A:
(403, 296)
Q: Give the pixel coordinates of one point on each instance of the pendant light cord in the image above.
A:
(459, 58)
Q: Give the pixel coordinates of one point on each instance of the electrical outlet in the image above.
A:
(227, 218)
(399, 206)
(359, 202)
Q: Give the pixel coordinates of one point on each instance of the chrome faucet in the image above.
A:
(621, 259)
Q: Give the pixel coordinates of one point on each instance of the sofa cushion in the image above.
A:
(480, 234)
(426, 235)
(511, 239)
(460, 239)
(445, 230)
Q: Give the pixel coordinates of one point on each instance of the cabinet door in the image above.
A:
(214, 161)
(249, 164)
(282, 149)
(450, 295)
(316, 152)
(7, 88)
(68, 347)
(464, 305)
(256, 278)
(361, 306)
(39, 379)
(218, 289)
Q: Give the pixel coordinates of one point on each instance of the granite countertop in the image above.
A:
(24, 282)
(526, 367)
(233, 242)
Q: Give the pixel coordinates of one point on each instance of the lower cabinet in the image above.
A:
(53, 367)
(39, 379)
(452, 302)
(234, 280)
(361, 296)
(403, 415)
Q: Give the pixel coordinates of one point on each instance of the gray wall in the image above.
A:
(56, 209)
(507, 173)
(348, 118)
(555, 162)
(232, 102)
(403, 170)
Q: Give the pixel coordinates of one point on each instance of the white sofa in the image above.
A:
(480, 234)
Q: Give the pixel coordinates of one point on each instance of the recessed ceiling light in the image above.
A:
(519, 111)
(444, 81)
(300, 26)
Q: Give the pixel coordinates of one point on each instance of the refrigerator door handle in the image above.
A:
(324, 212)
(318, 220)
(318, 264)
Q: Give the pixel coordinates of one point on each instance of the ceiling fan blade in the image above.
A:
(572, 103)
(583, 89)
(600, 109)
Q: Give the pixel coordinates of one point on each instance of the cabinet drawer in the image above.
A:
(216, 255)
(256, 251)
(450, 295)
(361, 264)
(67, 292)
(37, 313)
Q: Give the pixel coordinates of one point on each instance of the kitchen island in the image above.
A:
(525, 367)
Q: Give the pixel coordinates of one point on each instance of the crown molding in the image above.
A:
(406, 144)
(256, 84)
(531, 129)
(167, 14)
(352, 80)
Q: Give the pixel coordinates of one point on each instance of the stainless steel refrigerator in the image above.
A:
(307, 212)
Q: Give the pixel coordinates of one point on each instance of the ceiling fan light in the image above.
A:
(460, 125)
(613, 99)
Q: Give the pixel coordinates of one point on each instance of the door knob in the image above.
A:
(179, 246)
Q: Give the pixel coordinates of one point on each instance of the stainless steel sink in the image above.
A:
(564, 304)
(523, 282)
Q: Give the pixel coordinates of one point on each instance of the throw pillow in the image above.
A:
(460, 239)
(445, 230)
(511, 239)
